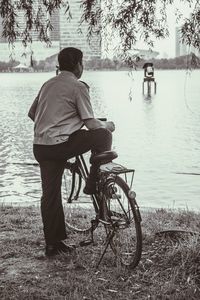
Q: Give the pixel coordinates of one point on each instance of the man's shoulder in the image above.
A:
(50, 80)
(82, 86)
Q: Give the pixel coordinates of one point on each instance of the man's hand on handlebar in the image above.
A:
(110, 126)
(93, 124)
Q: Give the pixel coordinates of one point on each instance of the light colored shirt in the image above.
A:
(59, 109)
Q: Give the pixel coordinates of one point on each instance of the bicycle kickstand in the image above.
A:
(109, 238)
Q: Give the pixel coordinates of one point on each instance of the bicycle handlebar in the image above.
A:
(102, 119)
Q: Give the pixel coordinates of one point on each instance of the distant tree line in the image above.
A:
(190, 61)
(182, 62)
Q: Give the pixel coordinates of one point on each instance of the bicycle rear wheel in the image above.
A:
(124, 222)
(79, 208)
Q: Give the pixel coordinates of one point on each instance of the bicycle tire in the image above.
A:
(124, 222)
(79, 208)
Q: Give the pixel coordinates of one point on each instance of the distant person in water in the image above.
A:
(61, 108)
(148, 69)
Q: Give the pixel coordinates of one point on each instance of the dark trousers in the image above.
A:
(51, 160)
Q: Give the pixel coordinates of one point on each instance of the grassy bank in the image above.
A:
(169, 268)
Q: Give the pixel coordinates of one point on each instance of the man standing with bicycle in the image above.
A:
(61, 108)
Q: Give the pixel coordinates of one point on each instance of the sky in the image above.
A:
(166, 47)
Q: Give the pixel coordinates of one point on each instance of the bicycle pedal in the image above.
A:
(85, 243)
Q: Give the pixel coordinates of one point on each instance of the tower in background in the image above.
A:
(65, 33)
(181, 48)
(73, 36)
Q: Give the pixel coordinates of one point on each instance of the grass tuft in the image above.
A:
(169, 268)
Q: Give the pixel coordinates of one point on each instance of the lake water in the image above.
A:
(158, 136)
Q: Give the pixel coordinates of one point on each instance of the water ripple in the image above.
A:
(157, 136)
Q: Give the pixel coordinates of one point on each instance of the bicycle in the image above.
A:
(113, 206)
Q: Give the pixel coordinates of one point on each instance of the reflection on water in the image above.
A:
(157, 135)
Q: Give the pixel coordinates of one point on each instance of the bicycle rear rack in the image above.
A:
(115, 168)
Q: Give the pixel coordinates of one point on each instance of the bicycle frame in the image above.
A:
(80, 168)
(113, 221)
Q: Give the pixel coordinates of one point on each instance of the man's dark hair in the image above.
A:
(68, 58)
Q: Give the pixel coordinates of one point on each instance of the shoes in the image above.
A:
(90, 187)
(57, 248)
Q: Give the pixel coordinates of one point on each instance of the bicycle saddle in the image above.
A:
(103, 157)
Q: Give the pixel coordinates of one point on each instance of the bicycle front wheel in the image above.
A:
(124, 222)
(79, 208)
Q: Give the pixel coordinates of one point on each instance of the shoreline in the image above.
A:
(36, 203)
(104, 70)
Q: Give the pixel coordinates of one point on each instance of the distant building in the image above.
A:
(70, 36)
(182, 48)
(65, 33)
(144, 54)
(2, 39)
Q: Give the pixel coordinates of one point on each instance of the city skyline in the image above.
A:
(65, 31)
(167, 46)
(65, 35)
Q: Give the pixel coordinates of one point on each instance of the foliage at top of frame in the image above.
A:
(36, 19)
(124, 21)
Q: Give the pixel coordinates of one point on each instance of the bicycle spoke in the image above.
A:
(79, 213)
(123, 209)
(126, 241)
